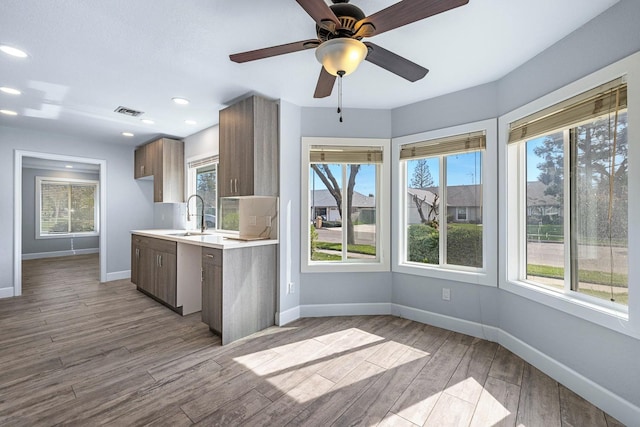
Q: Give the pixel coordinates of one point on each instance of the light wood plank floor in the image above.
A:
(77, 352)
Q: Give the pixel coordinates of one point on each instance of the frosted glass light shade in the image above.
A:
(341, 54)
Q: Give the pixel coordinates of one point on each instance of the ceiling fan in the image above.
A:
(341, 26)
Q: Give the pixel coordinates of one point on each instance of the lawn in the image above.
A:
(587, 276)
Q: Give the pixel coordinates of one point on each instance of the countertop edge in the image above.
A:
(214, 240)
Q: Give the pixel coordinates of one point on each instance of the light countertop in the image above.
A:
(212, 239)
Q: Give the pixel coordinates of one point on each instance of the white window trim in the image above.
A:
(96, 207)
(610, 315)
(488, 274)
(382, 216)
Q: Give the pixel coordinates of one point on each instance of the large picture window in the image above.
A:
(443, 201)
(66, 207)
(571, 161)
(345, 205)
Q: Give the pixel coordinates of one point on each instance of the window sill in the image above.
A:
(355, 267)
(479, 277)
(611, 316)
(67, 235)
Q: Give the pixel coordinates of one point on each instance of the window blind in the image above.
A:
(337, 154)
(597, 102)
(464, 143)
(203, 162)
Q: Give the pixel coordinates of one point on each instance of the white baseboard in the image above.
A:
(288, 316)
(6, 292)
(55, 254)
(118, 275)
(489, 333)
(326, 310)
(625, 411)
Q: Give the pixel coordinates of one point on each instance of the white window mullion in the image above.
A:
(567, 209)
(442, 210)
(345, 204)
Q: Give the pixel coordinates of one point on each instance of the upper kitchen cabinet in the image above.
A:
(163, 160)
(249, 148)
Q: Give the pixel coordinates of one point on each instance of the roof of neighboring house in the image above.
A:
(469, 195)
(536, 196)
(323, 198)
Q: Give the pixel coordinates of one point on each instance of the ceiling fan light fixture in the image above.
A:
(341, 55)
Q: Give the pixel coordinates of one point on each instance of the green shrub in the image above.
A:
(464, 245)
(423, 244)
(231, 221)
(313, 238)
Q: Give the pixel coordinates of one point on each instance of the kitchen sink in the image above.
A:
(189, 233)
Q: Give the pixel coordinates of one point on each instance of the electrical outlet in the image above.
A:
(252, 220)
(267, 221)
(290, 288)
(446, 294)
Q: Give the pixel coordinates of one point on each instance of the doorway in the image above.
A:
(44, 159)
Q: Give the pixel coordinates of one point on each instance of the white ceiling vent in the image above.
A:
(128, 111)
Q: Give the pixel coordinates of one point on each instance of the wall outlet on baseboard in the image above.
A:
(446, 294)
(290, 288)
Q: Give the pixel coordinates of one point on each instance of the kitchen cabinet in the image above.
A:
(249, 148)
(154, 268)
(238, 290)
(162, 159)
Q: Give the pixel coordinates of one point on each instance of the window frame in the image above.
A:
(487, 275)
(69, 181)
(382, 210)
(512, 167)
(191, 183)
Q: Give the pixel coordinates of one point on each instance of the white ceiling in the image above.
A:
(87, 57)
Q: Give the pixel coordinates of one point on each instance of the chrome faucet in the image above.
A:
(202, 223)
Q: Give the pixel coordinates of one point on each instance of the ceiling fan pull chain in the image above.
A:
(340, 75)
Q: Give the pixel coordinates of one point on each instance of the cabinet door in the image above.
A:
(226, 172)
(143, 162)
(166, 277)
(135, 260)
(146, 269)
(212, 289)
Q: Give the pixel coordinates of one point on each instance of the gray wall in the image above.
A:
(127, 206)
(31, 245)
(596, 353)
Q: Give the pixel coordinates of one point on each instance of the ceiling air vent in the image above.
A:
(128, 111)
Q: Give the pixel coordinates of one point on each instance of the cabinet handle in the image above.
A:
(209, 256)
(231, 186)
(142, 169)
(236, 182)
(159, 260)
(137, 252)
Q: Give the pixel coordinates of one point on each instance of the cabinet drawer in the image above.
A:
(212, 256)
(155, 244)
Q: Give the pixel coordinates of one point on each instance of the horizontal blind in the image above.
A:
(337, 154)
(597, 102)
(203, 162)
(467, 142)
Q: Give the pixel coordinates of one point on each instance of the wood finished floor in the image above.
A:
(77, 352)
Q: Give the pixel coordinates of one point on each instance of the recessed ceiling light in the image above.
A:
(68, 166)
(10, 50)
(148, 121)
(129, 134)
(180, 101)
(191, 122)
(10, 90)
(8, 112)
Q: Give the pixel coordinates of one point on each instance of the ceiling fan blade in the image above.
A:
(267, 52)
(321, 13)
(407, 11)
(395, 63)
(324, 87)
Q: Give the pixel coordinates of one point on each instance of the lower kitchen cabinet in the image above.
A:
(154, 268)
(238, 290)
